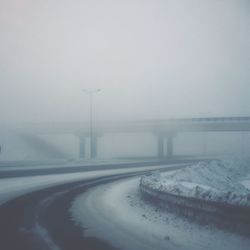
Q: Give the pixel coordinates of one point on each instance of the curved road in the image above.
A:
(41, 220)
(5, 173)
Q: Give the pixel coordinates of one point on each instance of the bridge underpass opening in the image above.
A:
(134, 145)
(126, 145)
(144, 145)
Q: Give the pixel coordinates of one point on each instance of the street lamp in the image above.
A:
(91, 94)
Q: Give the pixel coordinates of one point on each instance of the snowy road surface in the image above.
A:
(8, 170)
(36, 220)
(116, 212)
(13, 187)
(96, 210)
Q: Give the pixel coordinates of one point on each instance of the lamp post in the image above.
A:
(91, 94)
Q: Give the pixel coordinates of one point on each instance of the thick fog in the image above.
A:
(152, 59)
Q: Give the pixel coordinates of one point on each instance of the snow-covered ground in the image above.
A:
(13, 187)
(225, 181)
(115, 212)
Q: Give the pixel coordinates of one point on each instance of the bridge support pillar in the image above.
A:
(170, 146)
(93, 147)
(165, 139)
(82, 146)
(160, 146)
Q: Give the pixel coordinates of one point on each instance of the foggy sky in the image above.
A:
(151, 58)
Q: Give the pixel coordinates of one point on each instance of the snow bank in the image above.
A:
(116, 213)
(217, 180)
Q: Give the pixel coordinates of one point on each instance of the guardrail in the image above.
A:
(231, 217)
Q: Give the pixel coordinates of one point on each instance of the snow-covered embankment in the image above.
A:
(214, 191)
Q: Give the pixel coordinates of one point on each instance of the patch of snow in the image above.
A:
(246, 181)
(115, 212)
(43, 235)
(217, 180)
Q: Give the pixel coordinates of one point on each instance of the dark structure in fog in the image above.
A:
(163, 130)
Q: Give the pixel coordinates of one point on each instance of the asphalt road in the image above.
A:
(26, 222)
(41, 220)
(75, 169)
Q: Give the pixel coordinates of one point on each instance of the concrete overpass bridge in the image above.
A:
(163, 130)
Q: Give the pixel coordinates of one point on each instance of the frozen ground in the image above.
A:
(116, 212)
(225, 181)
